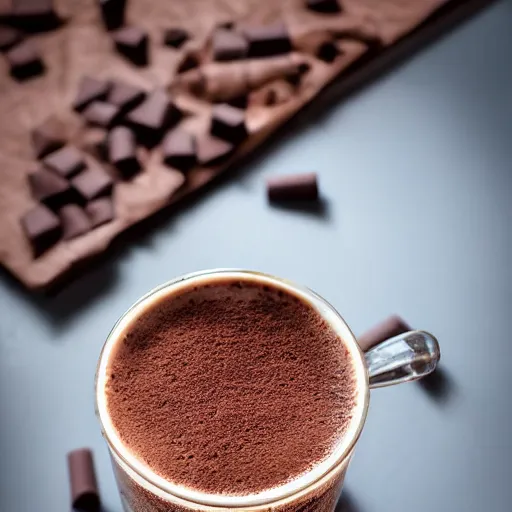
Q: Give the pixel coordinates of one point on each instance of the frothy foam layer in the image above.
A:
(231, 388)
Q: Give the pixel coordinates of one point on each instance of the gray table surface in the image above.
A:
(416, 170)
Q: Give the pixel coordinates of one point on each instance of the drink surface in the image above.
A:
(232, 387)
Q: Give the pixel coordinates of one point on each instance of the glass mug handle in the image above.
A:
(406, 357)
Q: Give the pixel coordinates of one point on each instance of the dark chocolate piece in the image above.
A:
(294, 187)
(324, 6)
(92, 183)
(229, 45)
(132, 43)
(89, 90)
(82, 480)
(24, 60)
(74, 221)
(389, 328)
(125, 97)
(9, 37)
(48, 137)
(42, 228)
(212, 150)
(268, 40)
(100, 211)
(122, 151)
(327, 52)
(175, 37)
(178, 150)
(112, 13)
(66, 161)
(100, 113)
(34, 15)
(153, 117)
(188, 62)
(228, 123)
(50, 188)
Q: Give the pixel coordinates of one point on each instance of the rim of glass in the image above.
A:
(338, 455)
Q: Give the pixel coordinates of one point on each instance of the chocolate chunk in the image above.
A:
(294, 187)
(268, 40)
(229, 45)
(228, 123)
(132, 43)
(34, 15)
(178, 150)
(9, 37)
(50, 188)
(153, 117)
(100, 113)
(42, 227)
(66, 161)
(92, 183)
(89, 90)
(325, 6)
(48, 137)
(327, 52)
(389, 328)
(74, 221)
(25, 61)
(175, 37)
(188, 62)
(112, 13)
(100, 211)
(125, 97)
(212, 150)
(82, 480)
(122, 151)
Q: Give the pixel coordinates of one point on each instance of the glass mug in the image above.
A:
(403, 358)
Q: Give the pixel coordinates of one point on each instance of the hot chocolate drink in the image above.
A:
(233, 386)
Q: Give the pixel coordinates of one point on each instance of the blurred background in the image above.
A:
(416, 174)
